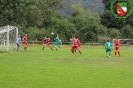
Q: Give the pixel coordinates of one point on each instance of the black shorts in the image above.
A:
(108, 50)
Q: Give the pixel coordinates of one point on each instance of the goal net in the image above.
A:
(8, 37)
(124, 43)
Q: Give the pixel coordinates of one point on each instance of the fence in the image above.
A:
(85, 45)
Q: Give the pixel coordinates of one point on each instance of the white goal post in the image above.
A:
(8, 37)
(124, 43)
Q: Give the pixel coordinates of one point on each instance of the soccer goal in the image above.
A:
(124, 43)
(8, 37)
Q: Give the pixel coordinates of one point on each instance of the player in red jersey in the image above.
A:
(46, 41)
(79, 43)
(25, 39)
(75, 45)
(117, 45)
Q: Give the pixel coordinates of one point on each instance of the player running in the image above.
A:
(75, 45)
(117, 45)
(25, 39)
(46, 41)
(18, 42)
(108, 47)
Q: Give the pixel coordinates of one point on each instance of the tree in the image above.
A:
(127, 32)
(14, 12)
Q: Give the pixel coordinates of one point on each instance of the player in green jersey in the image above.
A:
(56, 43)
(108, 47)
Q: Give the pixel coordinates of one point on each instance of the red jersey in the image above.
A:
(25, 39)
(46, 40)
(117, 42)
(79, 43)
(74, 40)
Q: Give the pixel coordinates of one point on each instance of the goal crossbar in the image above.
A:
(2, 29)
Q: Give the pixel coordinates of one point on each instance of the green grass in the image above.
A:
(60, 69)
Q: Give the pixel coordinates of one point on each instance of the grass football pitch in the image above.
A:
(36, 68)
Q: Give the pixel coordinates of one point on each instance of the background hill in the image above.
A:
(92, 5)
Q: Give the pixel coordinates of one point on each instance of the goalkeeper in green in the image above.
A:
(108, 47)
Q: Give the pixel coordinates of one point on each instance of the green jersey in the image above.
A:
(56, 41)
(108, 45)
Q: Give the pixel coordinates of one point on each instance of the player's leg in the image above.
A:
(118, 52)
(26, 46)
(50, 46)
(79, 51)
(56, 47)
(17, 46)
(110, 53)
(107, 53)
(72, 49)
(43, 46)
(77, 48)
(116, 49)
